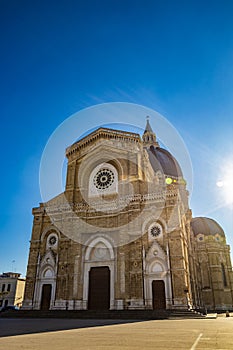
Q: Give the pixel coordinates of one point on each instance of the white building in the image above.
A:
(11, 289)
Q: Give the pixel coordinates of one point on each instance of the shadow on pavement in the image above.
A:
(20, 326)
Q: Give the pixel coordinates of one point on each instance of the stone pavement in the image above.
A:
(90, 335)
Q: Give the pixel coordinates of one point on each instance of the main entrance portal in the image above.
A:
(99, 288)
(46, 296)
(158, 293)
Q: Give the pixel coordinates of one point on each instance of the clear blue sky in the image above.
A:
(58, 57)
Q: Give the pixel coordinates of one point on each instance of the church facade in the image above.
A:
(122, 235)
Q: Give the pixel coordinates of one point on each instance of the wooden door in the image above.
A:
(158, 295)
(99, 288)
(46, 296)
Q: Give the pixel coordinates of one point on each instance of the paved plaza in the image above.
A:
(59, 334)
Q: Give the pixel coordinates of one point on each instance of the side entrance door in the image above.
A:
(158, 295)
(46, 297)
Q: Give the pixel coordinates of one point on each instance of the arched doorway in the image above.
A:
(99, 288)
(99, 256)
(158, 294)
(46, 297)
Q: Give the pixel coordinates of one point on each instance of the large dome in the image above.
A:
(162, 160)
(206, 226)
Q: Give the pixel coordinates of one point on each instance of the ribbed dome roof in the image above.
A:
(206, 226)
(162, 160)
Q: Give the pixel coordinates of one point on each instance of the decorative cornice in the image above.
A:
(118, 204)
(103, 133)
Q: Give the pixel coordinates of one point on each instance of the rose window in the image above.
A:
(52, 240)
(155, 231)
(103, 179)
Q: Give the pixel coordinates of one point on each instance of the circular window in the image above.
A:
(52, 240)
(103, 179)
(155, 231)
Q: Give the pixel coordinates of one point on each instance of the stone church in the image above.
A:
(122, 236)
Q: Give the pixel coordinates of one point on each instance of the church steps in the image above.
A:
(104, 314)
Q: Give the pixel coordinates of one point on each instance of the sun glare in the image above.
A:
(225, 184)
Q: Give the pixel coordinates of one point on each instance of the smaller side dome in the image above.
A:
(206, 226)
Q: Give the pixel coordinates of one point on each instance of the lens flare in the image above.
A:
(226, 183)
(168, 181)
